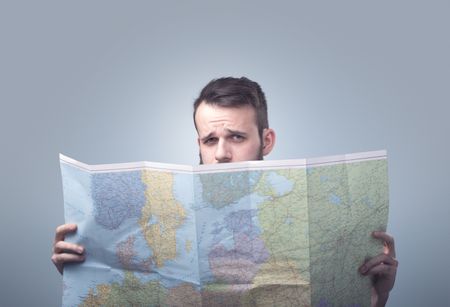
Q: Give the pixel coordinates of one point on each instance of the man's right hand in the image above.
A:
(65, 252)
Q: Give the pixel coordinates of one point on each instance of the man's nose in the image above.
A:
(223, 152)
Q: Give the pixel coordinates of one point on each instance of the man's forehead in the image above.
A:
(225, 127)
(214, 115)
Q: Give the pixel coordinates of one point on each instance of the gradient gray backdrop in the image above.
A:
(108, 81)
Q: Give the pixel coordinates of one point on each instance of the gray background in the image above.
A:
(107, 81)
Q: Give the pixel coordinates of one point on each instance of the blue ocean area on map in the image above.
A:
(279, 183)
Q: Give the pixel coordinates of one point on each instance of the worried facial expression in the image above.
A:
(228, 134)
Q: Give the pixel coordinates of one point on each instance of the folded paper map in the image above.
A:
(258, 233)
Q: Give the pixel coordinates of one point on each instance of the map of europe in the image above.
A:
(258, 233)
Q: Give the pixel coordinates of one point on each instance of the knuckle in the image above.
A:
(395, 262)
(59, 229)
(55, 259)
(58, 245)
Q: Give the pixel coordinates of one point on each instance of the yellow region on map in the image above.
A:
(283, 217)
(161, 216)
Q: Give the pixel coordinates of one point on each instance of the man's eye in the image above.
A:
(209, 141)
(237, 138)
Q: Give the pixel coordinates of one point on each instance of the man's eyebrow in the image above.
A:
(236, 132)
(229, 131)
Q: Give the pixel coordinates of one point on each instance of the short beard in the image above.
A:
(260, 155)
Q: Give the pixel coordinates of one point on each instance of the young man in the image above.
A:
(230, 116)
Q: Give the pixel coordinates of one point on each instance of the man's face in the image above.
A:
(228, 134)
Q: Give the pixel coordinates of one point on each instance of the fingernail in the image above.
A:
(80, 250)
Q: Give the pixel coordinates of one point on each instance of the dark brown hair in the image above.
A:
(232, 92)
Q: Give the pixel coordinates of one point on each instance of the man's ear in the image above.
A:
(268, 139)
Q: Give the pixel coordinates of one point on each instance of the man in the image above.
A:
(230, 116)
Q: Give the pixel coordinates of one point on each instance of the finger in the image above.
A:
(61, 259)
(66, 247)
(388, 242)
(382, 269)
(62, 230)
(377, 260)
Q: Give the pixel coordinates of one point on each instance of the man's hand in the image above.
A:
(65, 252)
(382, 269)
